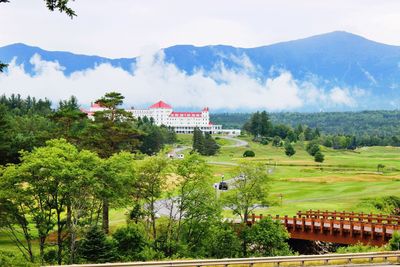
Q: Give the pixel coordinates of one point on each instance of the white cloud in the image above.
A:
(154, 79)
(341, 97)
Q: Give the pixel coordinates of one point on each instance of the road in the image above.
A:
(239, 143)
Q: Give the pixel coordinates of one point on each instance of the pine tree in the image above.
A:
(198, 140)
(95, 248)
(210, 147)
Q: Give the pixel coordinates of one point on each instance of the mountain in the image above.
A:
(336, 59)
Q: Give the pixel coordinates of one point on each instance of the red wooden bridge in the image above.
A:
(339, 227)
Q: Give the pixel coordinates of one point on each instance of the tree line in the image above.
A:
(366, 128)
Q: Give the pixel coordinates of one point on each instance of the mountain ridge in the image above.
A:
(335, 59)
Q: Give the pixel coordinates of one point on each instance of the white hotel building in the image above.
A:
(182, 122)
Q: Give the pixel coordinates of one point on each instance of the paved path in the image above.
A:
(239, 142)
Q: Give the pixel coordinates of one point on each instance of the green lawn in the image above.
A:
(340, 183)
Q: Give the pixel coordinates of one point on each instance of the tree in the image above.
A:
(96, 248)
(210, 147)
(249, 189)
(196, 205)
(394, 242)
(319, 157)
(289, 150)
(48, 178)
(117, 179)
(267, 238)
(198, 140)
(312, 148)
(151, 181)
(113, 130)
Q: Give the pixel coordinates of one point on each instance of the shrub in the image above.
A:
(312, 148)
(96, 248)
(289, 150)
(264, 141)
(277, 141)
(9, 259)
(319, 157)
(130, 242)
(394, 243)
(249, 153)
(357, 248)
(267, 238)
(223, 242)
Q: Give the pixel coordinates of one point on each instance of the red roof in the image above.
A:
(185, 114)
(161, 104)
(95, 105)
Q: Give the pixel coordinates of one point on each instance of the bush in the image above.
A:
(277, 141)
(319, 157)
(96, 248)
(223, 242)
(394, 243)
(8, 259)
(249, 153)
(130, 242)
(264, 141)
(312, 148)
(289, 150)
(267, 238)
(358, 248)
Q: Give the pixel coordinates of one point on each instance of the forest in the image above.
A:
(368, 128)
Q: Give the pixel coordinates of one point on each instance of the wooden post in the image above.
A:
(303, 224)
(383, 232)
(321, 225)
(261, 216)
(312, 225)
(331, 227)
(294, 223)
(372, 231)
(362, 230)
(351, 228)
(286, 221)
(341, 227)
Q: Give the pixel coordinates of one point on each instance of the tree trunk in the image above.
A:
(70, 233)
(153, 219)
(59, 238)
(106, 222)
(41, 249)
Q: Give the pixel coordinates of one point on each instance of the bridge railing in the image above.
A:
(352, 216)
(390, 256)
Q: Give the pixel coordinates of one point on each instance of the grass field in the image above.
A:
(342, 182)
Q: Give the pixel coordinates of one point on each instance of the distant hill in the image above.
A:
(334, 59)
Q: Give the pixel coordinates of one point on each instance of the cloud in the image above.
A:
(341, 96)
(154, 79)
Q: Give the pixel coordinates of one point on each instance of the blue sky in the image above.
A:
(126, 28)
